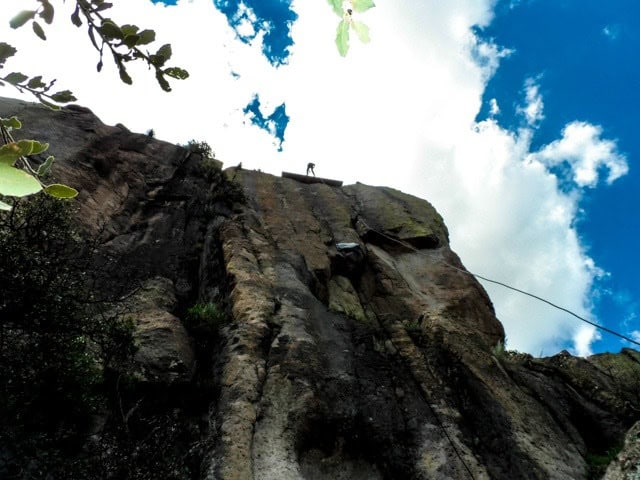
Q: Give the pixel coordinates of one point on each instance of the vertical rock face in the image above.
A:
(375, 360)
(357, 345)
(325, 377)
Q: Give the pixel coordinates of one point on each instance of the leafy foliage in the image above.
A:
(18, 178)
(345, 10)
(56, 338)
(205, 319)
(125, 43)
(200, 147)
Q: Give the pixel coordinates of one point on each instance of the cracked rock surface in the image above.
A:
(357, 345)
(381, 366)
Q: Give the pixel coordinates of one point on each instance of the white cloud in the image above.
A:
(399, 111)
(534, 106)
(636, 335)
(509, 221)
(586, 153)
(488, 55)
(494, 108)
(583, 340)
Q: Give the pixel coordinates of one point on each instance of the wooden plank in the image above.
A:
(308, 179)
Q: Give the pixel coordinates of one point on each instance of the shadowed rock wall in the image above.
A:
(357, 347)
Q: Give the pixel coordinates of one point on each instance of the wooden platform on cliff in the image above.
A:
(308, 179)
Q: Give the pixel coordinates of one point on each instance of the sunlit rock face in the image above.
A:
(356, 345)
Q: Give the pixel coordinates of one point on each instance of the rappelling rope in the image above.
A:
(411, 247)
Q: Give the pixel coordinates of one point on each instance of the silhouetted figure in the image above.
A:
(310, 168)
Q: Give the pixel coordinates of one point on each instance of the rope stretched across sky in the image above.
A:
(411, 247)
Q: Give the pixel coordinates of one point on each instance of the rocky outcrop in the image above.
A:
(385, 369)
(164, 351)
(626, 466)
(357, 345)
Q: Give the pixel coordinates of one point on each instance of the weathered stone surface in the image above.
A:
(626, 466)
(164, 349)
(333, 351)
(379, 366)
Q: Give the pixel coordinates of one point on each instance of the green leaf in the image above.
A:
(75, 17)
(124, 76)
(47, 12)
(64, 96)
(342, 37)
(5, 206)
(58, 190)
(178, 73)
(362, 5)
(146, 37)
(9, 153)
(131, 40)
(45, 168)
(17, 183)
(161, 56)
(38, 147)
(37, 29)
(102, 6)
(36, 82)
(6, 51)
(165, 52)
(163, 81)
(12, 123)
(110, 30)
(157, 61)
(361, 30)
(21, 18)
(129, 30)
(26, 147)
(15, 78)
(336, 5)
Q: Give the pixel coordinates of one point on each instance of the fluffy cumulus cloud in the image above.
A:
(399, 111)
(586, 153)
(510, 221)
(583, 340)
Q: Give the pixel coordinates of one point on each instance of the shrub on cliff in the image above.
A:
(203, 321)
(55, 337)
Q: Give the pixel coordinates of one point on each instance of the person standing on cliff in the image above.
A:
(310, 167)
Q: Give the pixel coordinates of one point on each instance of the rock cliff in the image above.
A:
(355, 345)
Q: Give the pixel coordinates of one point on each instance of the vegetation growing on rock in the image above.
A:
(57, 338)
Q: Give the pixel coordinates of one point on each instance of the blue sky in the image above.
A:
(514, 118)
(583, 55)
